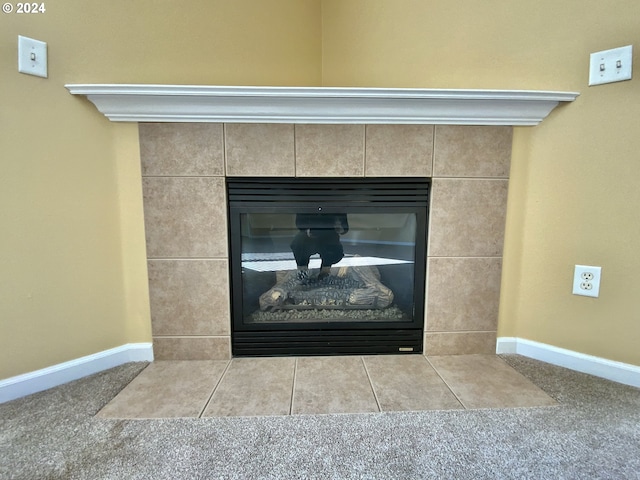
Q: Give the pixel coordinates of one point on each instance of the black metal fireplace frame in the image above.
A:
(331, 195)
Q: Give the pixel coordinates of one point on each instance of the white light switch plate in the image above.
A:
(610, 66)
(32, 56)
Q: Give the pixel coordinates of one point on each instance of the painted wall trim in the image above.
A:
(580, 362)
(32, 382)
(329, 105)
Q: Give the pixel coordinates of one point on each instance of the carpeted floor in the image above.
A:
(594, 434)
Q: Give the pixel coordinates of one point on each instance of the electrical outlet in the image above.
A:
(586, 280)
(610, 66)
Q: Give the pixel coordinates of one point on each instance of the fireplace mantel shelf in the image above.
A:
(320, 105)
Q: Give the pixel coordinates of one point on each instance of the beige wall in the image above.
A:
(72, 273)
(73, 277)
(573, 191)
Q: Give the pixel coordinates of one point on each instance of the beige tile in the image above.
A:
(459, 343)
(181, 149)
(329, 150)
(167, 389)
(463, 294)
(486, 381)
(254, 386)
(467, 217)
(332, 385)
(408, 382)
(185, 217)
(472, 151)
(192, 348)
(189, 297)
(399, 150)
(259, 149)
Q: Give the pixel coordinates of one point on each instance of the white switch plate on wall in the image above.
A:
(32, 56)
(610, 66)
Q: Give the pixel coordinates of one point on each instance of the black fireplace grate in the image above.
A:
(269, 191)
(322, 342)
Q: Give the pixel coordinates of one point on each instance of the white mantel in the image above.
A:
(197, 103)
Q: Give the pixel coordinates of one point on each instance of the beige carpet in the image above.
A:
(594, 433)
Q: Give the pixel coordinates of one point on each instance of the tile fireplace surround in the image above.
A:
(184, 166)
(459, 138)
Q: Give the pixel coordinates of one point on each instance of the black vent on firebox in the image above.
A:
(342, 191)
(371, 302)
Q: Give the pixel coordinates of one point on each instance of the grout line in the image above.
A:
(458, 177)
(429, 224)
(375, 395)
(446, 383)
(224, 150)
(433, 152)
(295, 154)
(187, 258)
(467, 256)
(183, 176)
(461, 331)
(190, 336)
(293, 385)
(215, 387)
(364, 151)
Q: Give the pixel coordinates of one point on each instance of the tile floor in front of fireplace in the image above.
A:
(317, 385)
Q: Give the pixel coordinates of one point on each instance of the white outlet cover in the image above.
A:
(32, 56)
(586, 287)
(610, 66)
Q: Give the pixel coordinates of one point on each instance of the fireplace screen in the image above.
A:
(321, 267)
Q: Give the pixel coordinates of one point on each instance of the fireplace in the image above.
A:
(193, 138)
(327, 266)
(186, 168)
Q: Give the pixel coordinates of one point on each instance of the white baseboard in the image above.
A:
(599, 367)
(32, 382)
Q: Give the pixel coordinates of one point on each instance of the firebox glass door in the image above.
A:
(347, 268)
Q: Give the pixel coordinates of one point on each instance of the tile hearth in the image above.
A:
(322, 385)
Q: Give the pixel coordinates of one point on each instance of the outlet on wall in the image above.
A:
(586, 280)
